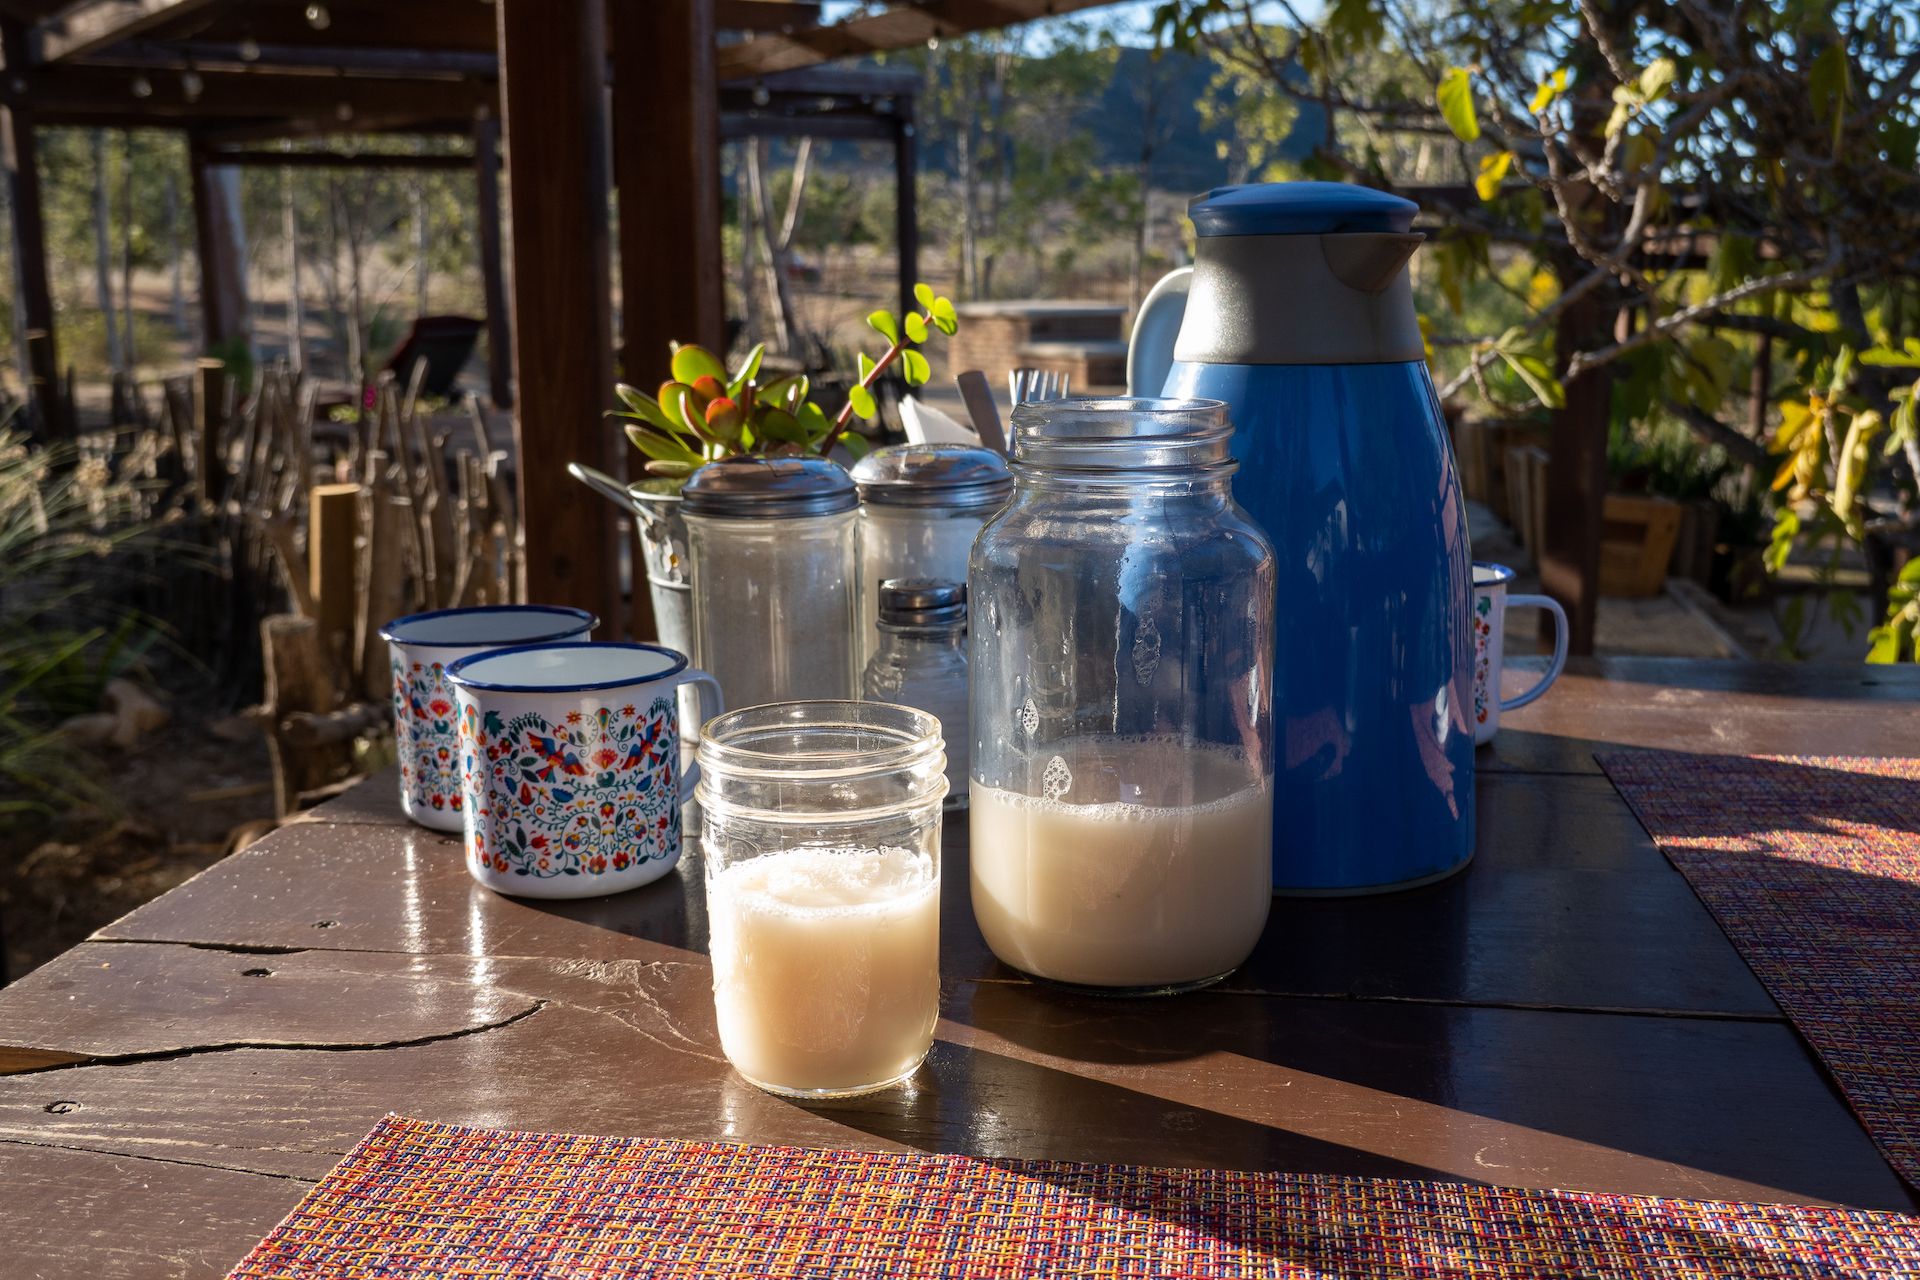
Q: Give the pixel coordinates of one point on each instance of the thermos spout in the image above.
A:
(1369, 260)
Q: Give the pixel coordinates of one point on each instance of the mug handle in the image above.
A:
(711, 705)
(1559, 662)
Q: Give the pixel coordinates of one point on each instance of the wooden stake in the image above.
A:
(333, 520)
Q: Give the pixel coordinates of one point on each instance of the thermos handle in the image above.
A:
(1559, 662)
(1150, 348)
(711, 705)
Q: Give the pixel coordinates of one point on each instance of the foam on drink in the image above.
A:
(1160, 876)
(826, 966)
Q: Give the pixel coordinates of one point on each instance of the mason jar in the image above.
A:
(771, 545)
(921, 506)
(1122, 616)
(821, 835)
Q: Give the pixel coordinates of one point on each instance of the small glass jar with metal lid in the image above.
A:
(771, 542)
(921, 506)
(921, 662)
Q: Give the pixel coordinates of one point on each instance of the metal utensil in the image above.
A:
(1036, 384)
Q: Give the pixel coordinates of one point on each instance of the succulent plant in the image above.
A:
(704, 412)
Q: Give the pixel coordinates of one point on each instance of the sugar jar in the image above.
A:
(1122, 619)
(771, 545)
(921, 505)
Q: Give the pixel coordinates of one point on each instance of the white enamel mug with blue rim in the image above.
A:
(570, 765)
(1490, 605)
(421, 647)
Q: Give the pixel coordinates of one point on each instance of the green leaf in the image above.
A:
(924, 296)
(1827, 83)
(883, 323)
(916, 328)
(1622, 112)
(660, 448)
(1538, 375)
(914, 367)
(1455, 95)
(856, 445)
(813, 420)
(946, 324)
(643, 406)
(692, 362)
(862, 401)
(675, 469)
(1657, 78)
(747, 371)
(943, 310)
(866, 366)
(1493, 170)
(778, 424)
(1910, 573)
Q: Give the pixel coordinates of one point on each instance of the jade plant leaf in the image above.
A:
(692, 361)
(883, 323)
(914, 367)
(748, 370)
(862, 401)
(916, 328)
(923, 295)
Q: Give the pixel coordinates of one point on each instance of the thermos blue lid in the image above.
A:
(1298, 208)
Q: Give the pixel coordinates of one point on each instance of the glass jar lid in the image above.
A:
(933, 475)
(753, 488)
(922, 602)
(1122, 433)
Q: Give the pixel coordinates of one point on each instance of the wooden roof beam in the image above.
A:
(91, 25)
(899, 27)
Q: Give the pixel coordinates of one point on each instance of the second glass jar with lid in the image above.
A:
(1121, 662)
(921, 506)
(771, 542)
(921, 662)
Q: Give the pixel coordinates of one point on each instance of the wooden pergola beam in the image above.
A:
(765, 15)
(341, 160)
(82, 28)
(897, 27)
(86, 92)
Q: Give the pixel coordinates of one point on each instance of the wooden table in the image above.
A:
(1564, 1013)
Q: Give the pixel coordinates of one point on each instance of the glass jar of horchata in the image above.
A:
(771, 542)
(822, 842)
(921, 506)
(1122, 641)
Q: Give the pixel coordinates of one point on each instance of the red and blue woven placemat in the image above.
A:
(438, 1201)
(1812, 866)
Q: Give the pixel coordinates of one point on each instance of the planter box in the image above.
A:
(1525, 471)
(1637, 536)
(1481, 448)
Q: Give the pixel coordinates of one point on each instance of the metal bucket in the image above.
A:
(655, 506)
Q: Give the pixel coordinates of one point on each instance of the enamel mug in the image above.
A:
(421, 647)
(1490, 605)
(570, 765)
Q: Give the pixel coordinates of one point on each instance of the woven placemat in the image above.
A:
(437, 1201)
(1812, 866)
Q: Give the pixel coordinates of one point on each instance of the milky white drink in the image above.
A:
(826, 966)
(1152, 868)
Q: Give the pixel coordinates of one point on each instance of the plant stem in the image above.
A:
(846, 410)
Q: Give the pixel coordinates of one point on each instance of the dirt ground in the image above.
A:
(180, 795)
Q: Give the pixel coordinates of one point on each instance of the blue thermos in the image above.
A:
(1299, 314)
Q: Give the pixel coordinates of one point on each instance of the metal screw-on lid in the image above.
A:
(922, 602)
(750, 488)
(933, 475)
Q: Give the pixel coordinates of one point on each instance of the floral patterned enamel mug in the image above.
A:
(422, 646)
(1490, 605)
(570, 760)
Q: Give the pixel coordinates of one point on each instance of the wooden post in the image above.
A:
(553, 101)
(906, 214)
(666, 139)
(332, 521)
(1577, 479)
(20, 158)
(221, 243)
(486, 177)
